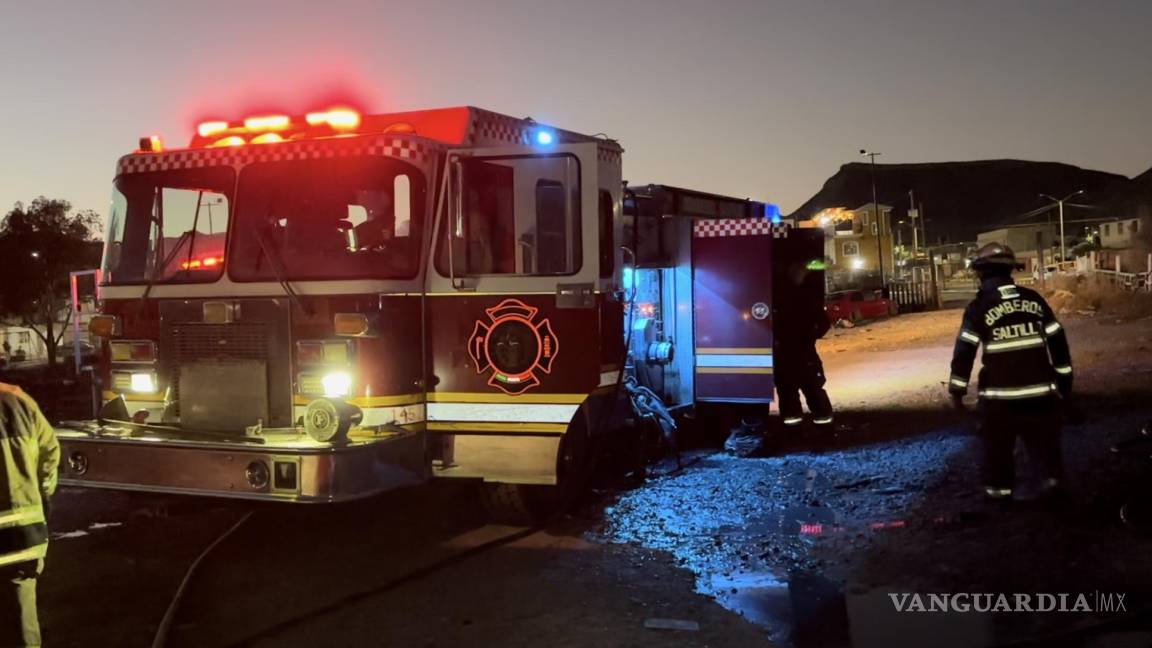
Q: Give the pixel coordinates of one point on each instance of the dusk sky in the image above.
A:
(755, 98)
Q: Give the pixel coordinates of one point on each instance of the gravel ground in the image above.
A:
(809, 542)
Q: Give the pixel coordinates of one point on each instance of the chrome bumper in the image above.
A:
(282, 466)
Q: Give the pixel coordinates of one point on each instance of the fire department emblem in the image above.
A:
(513, 346)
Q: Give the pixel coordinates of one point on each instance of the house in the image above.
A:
(1119, 234)
(855, 239)
(1032, 243)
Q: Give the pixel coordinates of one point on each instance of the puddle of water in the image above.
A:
(803, 610)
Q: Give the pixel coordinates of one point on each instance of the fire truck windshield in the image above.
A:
(333, 218)
(168, 226)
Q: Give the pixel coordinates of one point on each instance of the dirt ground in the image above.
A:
(809, 542)
(797, 548)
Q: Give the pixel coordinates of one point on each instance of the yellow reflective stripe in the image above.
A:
(793, 420)
(822, 421)
(1018, 392)
(370, 401)
(1052, 328)
(21, 516)
(959, 382)
(998, 492)
(1008, 345)
(1064, 370)
(31, 553)
(969, 336)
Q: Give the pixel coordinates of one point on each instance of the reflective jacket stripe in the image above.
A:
(21, 516)
(1018, 392)
(19, 540)
(1063, 370)
(969, 336)
(1008, 292)
(958, 382)
(32, 553)
(1052, 328)
(1012, 345)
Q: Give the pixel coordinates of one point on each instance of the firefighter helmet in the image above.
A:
(994, 255)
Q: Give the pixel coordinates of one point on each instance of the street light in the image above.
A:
(1060, 202)
(876, 214)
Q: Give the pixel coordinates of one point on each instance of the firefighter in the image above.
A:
(29, 456)
(1027, 373)
(798, 367)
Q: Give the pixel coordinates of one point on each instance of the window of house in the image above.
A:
(513, 215)
(1135, 226)
(1107, 230)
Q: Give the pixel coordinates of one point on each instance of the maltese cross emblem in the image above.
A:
(513, 346)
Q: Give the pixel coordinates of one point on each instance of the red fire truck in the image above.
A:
(320, 307)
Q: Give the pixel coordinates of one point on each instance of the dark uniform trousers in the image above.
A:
(1036, 422)
(798, 369)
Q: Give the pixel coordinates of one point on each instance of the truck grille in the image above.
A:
(190, 341)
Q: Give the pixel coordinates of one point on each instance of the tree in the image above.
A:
(39, 245)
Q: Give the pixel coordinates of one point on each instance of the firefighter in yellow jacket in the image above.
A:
(29, 455)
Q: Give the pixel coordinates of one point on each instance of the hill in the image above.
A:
(961, 199)
(1132, 199)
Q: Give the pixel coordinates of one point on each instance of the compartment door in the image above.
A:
(732, 309)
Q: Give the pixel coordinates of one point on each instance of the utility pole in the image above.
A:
(876, 215)
(1060, 202)
(913, 215)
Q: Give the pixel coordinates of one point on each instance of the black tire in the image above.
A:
(531, 504)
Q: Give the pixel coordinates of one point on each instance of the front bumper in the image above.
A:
(295, 468)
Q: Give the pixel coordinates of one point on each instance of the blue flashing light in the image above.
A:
(772, 212)
(545, 137)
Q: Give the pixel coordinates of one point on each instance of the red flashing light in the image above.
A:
(208, 129)
(268, 122)
(234, 140)
(267, 138)
(337, 118)
(203, 263)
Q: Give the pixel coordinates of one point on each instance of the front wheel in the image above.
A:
(531, 504)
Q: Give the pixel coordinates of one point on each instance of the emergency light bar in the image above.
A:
(269, 129)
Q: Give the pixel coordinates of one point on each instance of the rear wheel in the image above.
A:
(529, 504)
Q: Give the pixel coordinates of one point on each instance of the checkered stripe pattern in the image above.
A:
(738, 227)
(493, 128)
(415, 151)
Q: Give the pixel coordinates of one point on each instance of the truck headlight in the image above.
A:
(337, 384)
(141, 382)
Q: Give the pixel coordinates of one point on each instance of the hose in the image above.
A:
(161, 638)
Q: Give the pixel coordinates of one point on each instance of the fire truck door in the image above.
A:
(732, 309)
(513, 314)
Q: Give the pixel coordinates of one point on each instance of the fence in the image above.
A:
(1131, 281)
(914, 296)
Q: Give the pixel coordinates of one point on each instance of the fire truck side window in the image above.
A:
(168, 226)
(518, 216)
